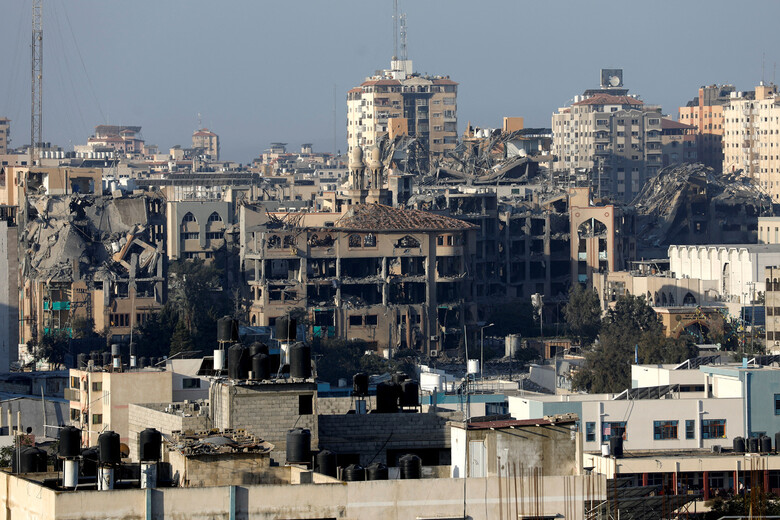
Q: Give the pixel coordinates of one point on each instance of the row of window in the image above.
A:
(663, 430)
(77, 415)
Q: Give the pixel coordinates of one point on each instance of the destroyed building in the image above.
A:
(84, 255)
(691, 204)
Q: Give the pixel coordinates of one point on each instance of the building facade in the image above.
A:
(611, 136)
(705, 114)
(427, 105)
(5, 134)
(207, 142)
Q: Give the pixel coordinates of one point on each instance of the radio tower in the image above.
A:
(395, 29)
(36, 112)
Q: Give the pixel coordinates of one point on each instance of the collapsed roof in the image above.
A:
(691, 204)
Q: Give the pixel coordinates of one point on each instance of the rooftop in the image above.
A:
(381, 218)
(607, 99)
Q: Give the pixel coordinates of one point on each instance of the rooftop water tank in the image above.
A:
(299, 446)
(89, 461)
(360, 384)
(410, 466)
(376, 471)
(227, 329)
(353, 473)
(410, 394)
(261, 367)
(108, 448)
(149, 445)
(29, 460)
(70, 442)
(238, 362)
(326, 463)
(286, 329)
(300, 361)
(387, 397)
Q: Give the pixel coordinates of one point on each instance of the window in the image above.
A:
(74, 383)
(190, 383)
(305, 405)
(356, 320)
(664, 430)
(610, 429)
(97, 418)
(214, 217)
(189, 217)
(713, 429)
(190, 236)
(97, 386)
(777, 400)
(371, 320)
(590, 432)
(75, 414)
(214, 235)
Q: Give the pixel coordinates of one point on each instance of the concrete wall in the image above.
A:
(391, 499)
(371, 436)
(9, 296)
(268, 411)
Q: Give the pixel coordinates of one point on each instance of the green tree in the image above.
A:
(153, 337)
(740, 506)
(181, 341)
(583, 314)
(52, 348)
(631, 327)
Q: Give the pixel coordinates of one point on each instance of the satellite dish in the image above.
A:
(614, 81)
(124, 451)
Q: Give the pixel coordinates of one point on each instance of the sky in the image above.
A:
(259, 72)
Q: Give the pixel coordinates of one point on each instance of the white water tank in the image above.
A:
(512, 344)
(473, 366)
(219, 359)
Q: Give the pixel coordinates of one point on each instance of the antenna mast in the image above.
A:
(36, 65)
(395, 29)
(403, 37)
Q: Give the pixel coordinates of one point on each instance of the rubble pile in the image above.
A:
(86, 237)
(216, 441)
(691, 204)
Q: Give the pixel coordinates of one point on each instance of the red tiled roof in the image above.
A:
(205, 131)
(608, 99)
(381, 218)
(381, 82)
(444, 81)
(354, 90)
(671, 124)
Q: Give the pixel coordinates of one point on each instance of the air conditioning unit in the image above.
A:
(717, 448)
(434, 353)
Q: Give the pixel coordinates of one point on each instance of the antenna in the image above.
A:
(200, 121)
(335, 145)
(395, 29)
(403, 37)
(36, 67)
(763, 61)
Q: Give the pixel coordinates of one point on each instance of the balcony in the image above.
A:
(72, 394)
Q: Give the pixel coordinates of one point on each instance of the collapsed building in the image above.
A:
(691, 204)
(89, 256)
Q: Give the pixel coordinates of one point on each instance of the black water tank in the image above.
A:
(106, 358)
(299, 446)
(153, 361)
(399, 377)
(143, 362)
(616, 446)
(765, 444)
(410, 393)
(300, 361)
(326, 463)
(387, 397)
(360, 384)
(261, 367)
(89, 460)
(739, 444)
(353, 473)
(753, 444)
(227, 329)
(70, 442)
(82, 360)
(95, 357)
(149, 445)
(238, 362)
(30, 460)
(108, 448)
(376, 471)
(286, 329)
(257, 348)
(410, 466)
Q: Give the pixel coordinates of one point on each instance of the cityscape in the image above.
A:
(383, 292)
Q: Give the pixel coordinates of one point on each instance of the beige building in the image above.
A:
(207, 141)
(611, 136)
(772, 307)
(705, 113)
(751, 138)
(428, 104)
(99, 399)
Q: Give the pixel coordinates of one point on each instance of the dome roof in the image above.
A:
(374, 160)
(356, 158)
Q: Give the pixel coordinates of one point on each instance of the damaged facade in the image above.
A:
(84, 255)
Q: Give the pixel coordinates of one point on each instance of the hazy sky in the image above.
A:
(263, 71)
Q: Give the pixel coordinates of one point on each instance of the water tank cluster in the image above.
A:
(762, 444)
(401, 392)
(106, 358)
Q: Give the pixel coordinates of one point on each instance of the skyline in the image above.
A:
(269, 75)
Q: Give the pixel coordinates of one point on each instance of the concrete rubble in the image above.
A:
(691, 204)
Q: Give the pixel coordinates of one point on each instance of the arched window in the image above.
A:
(274, 242)
(663, 299)
(407, 242)
(254, 320)
(354, 241)
(671, 298)
(214, 217)
(369, 240)
(689, 299)
(189, 217)
(289, 241)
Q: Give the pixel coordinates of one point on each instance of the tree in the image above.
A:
(631, 329)
(181, 340)
(583, 314)
(759, 505)
(153, 336)
(338, 358)
(52, 348)
(514, 318)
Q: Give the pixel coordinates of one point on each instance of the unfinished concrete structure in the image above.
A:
(395, 277)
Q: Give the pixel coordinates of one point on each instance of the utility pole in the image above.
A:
(36, 66)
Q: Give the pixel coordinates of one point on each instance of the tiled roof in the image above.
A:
(381, 218)
(607, 99)
(444, 81)
(671, 124)
(386, 82)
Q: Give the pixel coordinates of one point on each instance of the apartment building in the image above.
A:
(425, 106)
(613, 137)
(751, 139)
(5, 134)
(678, 143)
(206, 143)
(705, 114)
(122, 140)
(772, 308)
